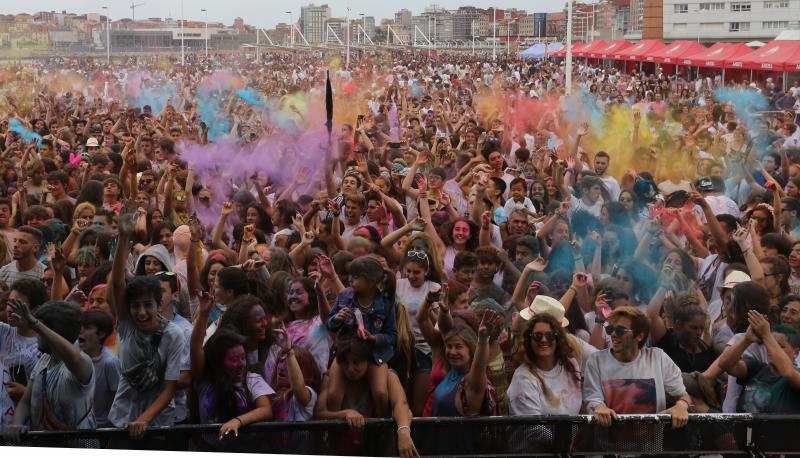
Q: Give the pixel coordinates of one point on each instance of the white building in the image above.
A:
(712, 21)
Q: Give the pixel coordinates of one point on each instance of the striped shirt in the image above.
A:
(9, 273)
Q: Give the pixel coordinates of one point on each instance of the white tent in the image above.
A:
(789, 34)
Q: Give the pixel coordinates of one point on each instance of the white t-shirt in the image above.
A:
(526, 396)
(612, 186)
(512, 205)
(640, 386)
(755, 351)
(723, 204)
(413, 298)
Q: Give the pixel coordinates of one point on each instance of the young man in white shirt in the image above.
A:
(628, 378)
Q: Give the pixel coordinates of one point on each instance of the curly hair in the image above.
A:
(563, 353)
(237, 317)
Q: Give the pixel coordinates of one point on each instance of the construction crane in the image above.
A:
(133, 10)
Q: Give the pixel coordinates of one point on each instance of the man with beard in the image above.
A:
(601, 162)
(25, 251)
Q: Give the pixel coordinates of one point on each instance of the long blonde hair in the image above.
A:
(404, 350)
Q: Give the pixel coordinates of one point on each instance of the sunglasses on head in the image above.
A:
(618, 330)
(418, 254)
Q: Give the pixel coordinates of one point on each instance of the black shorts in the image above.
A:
(424, 363)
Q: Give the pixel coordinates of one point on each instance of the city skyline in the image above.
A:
(261, 16)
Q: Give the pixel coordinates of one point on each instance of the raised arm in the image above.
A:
(476, 378)
(658, 329)
(196, 350)
(60, 347)
(216, 236)
(197, 231)
(116, 287)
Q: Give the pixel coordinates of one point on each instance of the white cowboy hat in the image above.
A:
(545, 305)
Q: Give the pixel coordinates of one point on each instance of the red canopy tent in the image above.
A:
(591, 47)
(716, 55)
(563, 51)
(614, 47)
(642, 51)
(672, 53)
(777, 56)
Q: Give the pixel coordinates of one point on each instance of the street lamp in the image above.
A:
(108, 36)
(183, 55)
(698, 24)
(363, 26)
(494, 33)
(473, 37)
(206, 11)
(291, 30)
(568, 69)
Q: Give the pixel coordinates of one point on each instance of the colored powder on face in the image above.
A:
(746, 103)
(27, 135)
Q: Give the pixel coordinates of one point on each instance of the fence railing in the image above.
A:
(730, 435)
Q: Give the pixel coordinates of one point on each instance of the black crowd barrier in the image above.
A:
(631, 435)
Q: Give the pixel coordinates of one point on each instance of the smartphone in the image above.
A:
(510, 171)
(441, 134)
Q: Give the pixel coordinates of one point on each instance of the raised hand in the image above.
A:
(22, 312)
(537, 265)
(125, 224)
(196, 228)
(422, 157)
(283, 338)
(227, 208)
(422, 182)
(580, 279)
(417, 224)
(206, 303)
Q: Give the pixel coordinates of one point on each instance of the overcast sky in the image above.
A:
(262, 13)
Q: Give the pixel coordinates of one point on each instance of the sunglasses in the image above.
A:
(618, 330)
(417, 254)
(165, 273)
(549, 336)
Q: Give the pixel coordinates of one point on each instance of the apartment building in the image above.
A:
(713, 21)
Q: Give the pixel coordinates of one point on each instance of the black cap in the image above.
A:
(704, 184)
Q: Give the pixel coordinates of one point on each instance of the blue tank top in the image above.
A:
(444, 396)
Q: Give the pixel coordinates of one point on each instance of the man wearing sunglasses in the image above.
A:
(630, 379)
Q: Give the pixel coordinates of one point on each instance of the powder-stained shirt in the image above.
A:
(58, 399)
(134, 348)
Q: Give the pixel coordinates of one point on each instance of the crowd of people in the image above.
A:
(473, 240)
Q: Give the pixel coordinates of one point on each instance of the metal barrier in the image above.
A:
(729, 435)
